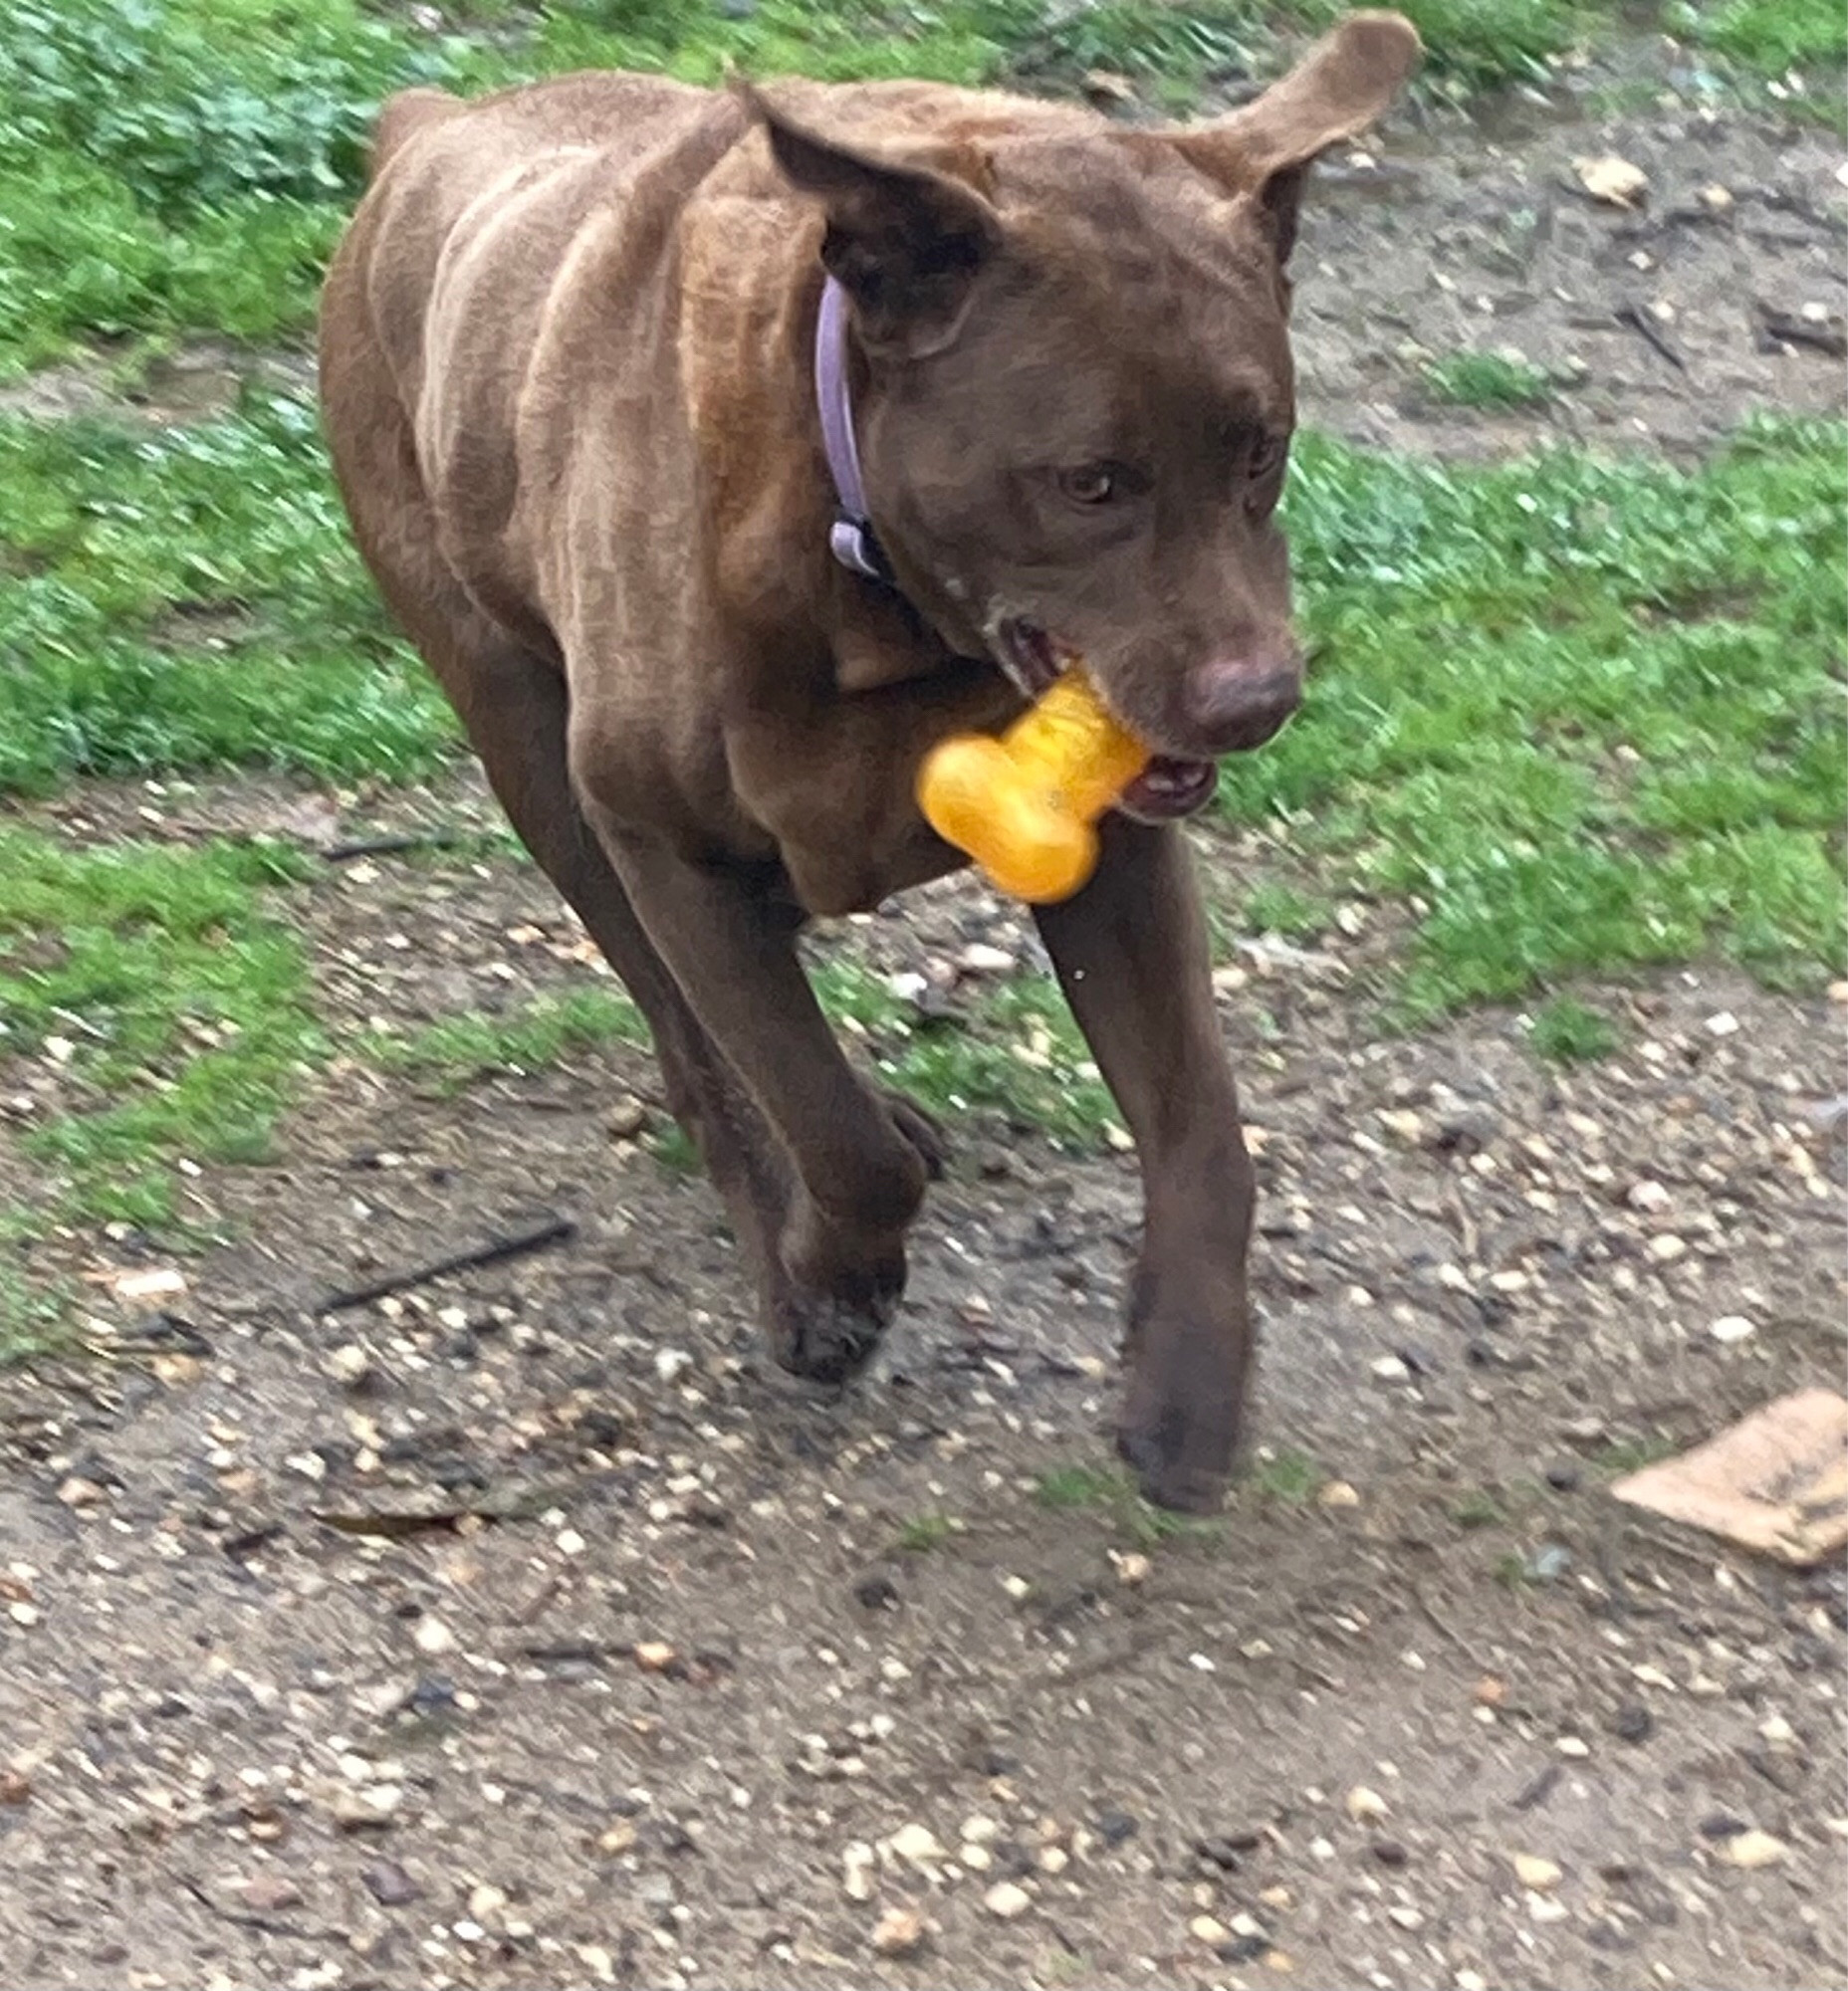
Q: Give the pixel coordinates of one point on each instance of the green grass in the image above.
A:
(456, 1050)
(1272, 907)
(174, 166)
(170, 999)
(1014, 1055)
(924, 1532)
(1291, 1479)
(1769, 37)
(1631, 1455)
(1111, 1492)
(1479, 1508)
(1580, 715)
(1066, 1488)
(1494, 382)
(189, 597)
(34, 1318)
(1568, 1031)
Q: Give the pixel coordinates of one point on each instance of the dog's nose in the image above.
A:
(1239, 701)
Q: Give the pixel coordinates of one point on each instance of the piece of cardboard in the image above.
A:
(1776, 1482)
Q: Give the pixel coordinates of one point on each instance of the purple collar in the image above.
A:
(851, 539)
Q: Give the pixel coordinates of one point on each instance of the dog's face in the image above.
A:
(1080, 396)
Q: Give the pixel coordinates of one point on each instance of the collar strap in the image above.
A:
(851, 539)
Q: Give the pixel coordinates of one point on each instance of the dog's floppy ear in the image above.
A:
(1339, 87)
(904, 239)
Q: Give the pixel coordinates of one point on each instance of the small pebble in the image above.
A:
(388, 1883)
(1337, 1493)
(433, 1637)
(625, 1119)
(1538, 1876)
(877, 1592)
(1204, 1929)
(980, 959)
(348, 1365)
(1389, 1852)
(1752, 1847)
(1389, 1369)
(1114, 1827)
(918, 1844)
(857, 1861)
(1007, 1899)
(1364, 1806)
(1732, 1327)
(1573, 1745)
(898, 1933)
(267, 1892)
(654, 1656)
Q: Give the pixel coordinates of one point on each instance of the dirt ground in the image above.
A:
(693, 1677)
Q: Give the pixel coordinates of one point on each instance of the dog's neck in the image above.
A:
(851, 539)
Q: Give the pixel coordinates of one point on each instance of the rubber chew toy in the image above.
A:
(1023, 807)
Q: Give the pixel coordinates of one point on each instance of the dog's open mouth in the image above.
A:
(1167, 788)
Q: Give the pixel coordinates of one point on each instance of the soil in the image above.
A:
(528, 1628)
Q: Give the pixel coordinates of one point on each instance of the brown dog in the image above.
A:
(566, 357)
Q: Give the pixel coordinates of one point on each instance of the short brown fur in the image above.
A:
(565, 364)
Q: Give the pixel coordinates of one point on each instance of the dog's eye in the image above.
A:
(1267, 457)
(1092, 483)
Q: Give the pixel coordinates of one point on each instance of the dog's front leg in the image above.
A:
(1131, 953)
(855, 1179)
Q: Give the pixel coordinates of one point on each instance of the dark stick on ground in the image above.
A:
(389, 846)
(262, 1924)
(1631, 314)
(555, 1231)
(1826, 337)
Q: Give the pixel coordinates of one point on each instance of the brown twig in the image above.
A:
(556, 1231)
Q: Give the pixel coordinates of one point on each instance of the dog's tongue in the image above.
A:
(1168, 788)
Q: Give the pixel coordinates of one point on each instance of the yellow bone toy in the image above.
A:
(1024, 805)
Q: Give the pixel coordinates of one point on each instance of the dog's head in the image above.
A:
(1078, 395)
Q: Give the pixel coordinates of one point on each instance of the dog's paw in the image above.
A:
(923, 1130)
(1167, 1475)
(823, 1339)
(1182, 1410)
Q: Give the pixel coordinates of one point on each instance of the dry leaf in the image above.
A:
(1778, 1482)
(1611, 180)
(145, 1286)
